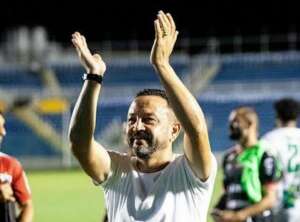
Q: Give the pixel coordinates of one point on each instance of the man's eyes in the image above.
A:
(149, 119)
(131, 119)
(145, 120)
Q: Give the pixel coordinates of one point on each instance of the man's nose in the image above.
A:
(139, 125)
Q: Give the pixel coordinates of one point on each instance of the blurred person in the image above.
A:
(150, 183)
(105, 219)
(285, 144)
(14, 188)
(250, 173)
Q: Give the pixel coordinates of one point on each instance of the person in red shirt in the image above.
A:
(14, 187)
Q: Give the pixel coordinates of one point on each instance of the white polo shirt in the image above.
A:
(173, 194)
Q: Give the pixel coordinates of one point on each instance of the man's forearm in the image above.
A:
(93, 158)
(182, 101)
(83, 119)
(266, 203)
(26, 214)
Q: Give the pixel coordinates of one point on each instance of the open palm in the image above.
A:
(165, 38)
(92, 63)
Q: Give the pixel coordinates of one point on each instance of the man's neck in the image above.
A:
(291, 124)
(249, 141)
(158, 161)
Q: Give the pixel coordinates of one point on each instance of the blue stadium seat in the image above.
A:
(116, 75)
(19, 77)
(243, 72)
(21, 141)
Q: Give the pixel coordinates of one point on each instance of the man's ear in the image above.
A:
(252, 125)
(124, 133)
(175, 131)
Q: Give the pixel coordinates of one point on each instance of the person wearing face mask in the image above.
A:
(250, 173)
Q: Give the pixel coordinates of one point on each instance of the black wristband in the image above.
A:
(93, 77)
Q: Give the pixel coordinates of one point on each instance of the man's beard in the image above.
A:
(235, 133)
(141, 144)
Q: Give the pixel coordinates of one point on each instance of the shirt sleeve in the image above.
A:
(194, 179)
(268, 170)
(271, 144)
(119, 162)
(20, 184)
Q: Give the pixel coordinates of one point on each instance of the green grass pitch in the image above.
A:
(70, 196)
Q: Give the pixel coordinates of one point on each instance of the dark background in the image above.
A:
(122, 20)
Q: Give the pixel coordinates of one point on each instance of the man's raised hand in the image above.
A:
(92, 63)
(165, 38)
(6, 193)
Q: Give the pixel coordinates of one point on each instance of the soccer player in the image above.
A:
(14, 188)
(151, 183)
(250, 173)
(285, 144)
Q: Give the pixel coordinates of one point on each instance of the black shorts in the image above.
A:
(8, 212)
(265, 217)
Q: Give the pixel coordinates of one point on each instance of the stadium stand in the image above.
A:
(246, 79)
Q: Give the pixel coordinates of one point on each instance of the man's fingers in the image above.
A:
(78, 51)
(79, 39)
(84, 47)
(11, 199)
(76, 37)
(163, 22)
(6, 192)
(175, 37)
(163, 25)
(80, 44)
(77, 34)
(158, 31)
(172, 23)
(83, 41)
(75, 43)
(155, 29)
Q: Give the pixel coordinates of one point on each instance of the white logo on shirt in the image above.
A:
(5, 178)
